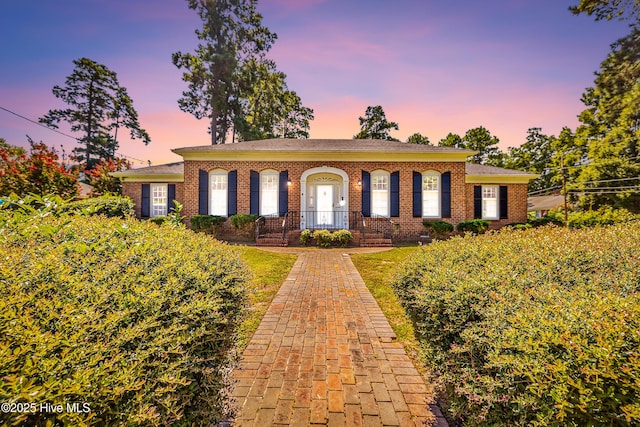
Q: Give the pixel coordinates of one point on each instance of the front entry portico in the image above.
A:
(324, 199)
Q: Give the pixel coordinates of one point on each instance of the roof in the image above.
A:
(483, 174)
(544, 203)
(170, 172)
(356, 150)
(290, 144)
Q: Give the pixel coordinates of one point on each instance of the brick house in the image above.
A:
(367, 185)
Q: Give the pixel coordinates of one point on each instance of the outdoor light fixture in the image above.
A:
(342, 202)
(359, 182)
(289, 183)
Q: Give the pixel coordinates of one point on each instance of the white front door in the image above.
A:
(324, 210)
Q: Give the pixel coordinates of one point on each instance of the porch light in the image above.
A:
(288, 183)
(359, 182)
(342, 202)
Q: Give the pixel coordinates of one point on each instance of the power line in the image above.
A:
(57, 131)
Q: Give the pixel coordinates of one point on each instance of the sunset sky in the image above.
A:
(434, 66)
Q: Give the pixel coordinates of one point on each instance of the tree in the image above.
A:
(374, 125)
(100, 179)
(611, 128)
(270, 110)
(232, 35)
(418, 138)
(37, 172)
(99, 106)
(478, 139)
(609, 9)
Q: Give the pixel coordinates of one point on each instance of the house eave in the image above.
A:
(151, 177)
(337, 155)
(500, 179)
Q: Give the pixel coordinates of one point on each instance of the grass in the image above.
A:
(375, 269)
(268, 271)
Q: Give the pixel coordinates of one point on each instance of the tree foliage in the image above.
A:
(270, 109)
(374, 125)
(98, 108)
(609, 9)
(100, 179)
(418, 138)
(611, 127)
(478, 139)
(37, 172)
(232, 35)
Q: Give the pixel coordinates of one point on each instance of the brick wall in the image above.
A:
(517, 207)
(461, 193)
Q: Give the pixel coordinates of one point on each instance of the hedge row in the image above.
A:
(533, 327)
(133, 319)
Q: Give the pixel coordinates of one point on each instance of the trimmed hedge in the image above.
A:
(532, 327)
(136, 320)
(107, 205)
(440, 227)
(206, 223)
(475, 226)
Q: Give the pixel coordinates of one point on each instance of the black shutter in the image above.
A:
(417, 194)
(504, 202)
(477, 201)
(395, 193)
(171, 196)
(283, 194)
(445, 195)
(145, 202)
(366, 193)
(203, 192)
(254, 191)
(232, 193)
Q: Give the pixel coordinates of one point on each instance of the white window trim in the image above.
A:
(162, 206)
(388, 191)
(224, 202)
(439, 196)
(497, 207)
(263, 175)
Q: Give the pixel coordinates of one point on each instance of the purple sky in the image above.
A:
(434, 66)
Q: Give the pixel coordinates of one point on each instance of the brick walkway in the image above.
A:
(324, 354)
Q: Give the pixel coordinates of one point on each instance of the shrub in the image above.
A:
(323, 238)
(602, 216)
(159, 220)
(546, 220)
(438, 229)
(475, 226)
(134, 319)
(206, 223)
(537, 327)
(241, 221)
(305, 237)
(341, 238)
(107, 205)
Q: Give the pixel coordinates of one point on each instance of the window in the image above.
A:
(431, 195)
(490, 202)
(269, 193)
(218, 181)
(158, 200)
(380, 193)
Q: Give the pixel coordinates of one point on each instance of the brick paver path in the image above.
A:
(324, 354)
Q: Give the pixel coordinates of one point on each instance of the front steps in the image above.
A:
(369, 240)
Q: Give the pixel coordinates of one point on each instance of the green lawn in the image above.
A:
(268, 271)
(375, 269)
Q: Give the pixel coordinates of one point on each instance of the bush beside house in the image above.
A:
(538, 327)
(134, 319)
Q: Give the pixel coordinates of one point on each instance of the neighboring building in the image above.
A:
(318, 183)
(541, 205)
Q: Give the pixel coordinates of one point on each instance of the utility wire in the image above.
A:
(57, 131)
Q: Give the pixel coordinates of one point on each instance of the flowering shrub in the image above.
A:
(133, 319)
(323, 238)
(341, 238)
(305, 236)
(535, 327)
